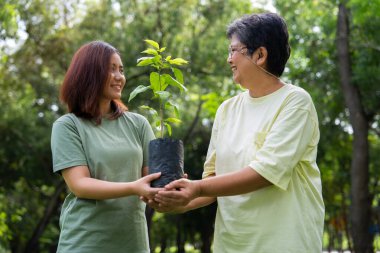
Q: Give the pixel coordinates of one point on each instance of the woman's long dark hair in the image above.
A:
(85, 79)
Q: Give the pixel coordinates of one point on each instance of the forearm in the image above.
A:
(194, 204)
(183, 192)
(82, 185)
(198, 203)
(201, 201)
(91, 188)
(240, 182)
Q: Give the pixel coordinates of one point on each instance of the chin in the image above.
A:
(236, 79)
(116, 96)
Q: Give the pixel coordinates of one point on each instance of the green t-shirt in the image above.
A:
(116, 150)
(277, 136)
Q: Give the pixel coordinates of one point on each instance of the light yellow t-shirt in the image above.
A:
(277, 136)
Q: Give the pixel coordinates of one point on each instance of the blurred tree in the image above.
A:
(28, 105)
(8, 17)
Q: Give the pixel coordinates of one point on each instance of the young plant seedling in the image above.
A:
(164, 75)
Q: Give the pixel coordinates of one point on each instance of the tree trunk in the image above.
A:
(207, 229)
(50, 210)
(149, 212)
(206, 236)
(361, 200)
(180, 236)
(163, 245)
(345, 222)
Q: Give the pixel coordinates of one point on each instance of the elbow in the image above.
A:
(77, 191)
(78, 181)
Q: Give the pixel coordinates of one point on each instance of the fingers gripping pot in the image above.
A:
(166, 156)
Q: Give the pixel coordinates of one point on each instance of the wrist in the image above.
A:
(198, 192)
(132, 188)
(178, 210)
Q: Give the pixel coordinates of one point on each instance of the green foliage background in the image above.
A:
(39, 37)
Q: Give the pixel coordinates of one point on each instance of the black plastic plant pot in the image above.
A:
(166, 156)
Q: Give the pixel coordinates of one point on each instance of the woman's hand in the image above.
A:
(161, 208)
(143, 188)
(178, 193)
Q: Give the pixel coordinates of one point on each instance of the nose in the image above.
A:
(229, 59)
(117, 75)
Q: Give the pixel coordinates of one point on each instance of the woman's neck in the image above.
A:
(264, 87)
(105, 107)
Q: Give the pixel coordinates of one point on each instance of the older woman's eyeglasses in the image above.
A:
(232, 50)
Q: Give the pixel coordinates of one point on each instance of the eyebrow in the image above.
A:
(234, 46)
(114, 65)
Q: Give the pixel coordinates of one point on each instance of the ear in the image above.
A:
(262, 55)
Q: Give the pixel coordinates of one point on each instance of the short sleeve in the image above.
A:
(146, 136)
(292, 133)
(209, 165)
(66, 145)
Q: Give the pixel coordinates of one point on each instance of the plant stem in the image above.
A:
(161, 112)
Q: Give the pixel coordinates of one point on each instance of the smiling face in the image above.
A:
(116, 79)
(239, 61)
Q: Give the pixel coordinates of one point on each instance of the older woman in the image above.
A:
(261, 163)
(101, 151)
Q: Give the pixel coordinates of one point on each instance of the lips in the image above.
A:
(116, 86)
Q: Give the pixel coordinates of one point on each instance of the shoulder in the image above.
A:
(299, 92)
(235, 99)
(134, 115)
(135, 118)
(232, 102)
(65, 125)
(298, 97)
(65, 120)
(229, 107)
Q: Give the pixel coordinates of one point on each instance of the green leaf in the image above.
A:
(162, 49)
(178, 61)
(168, 105)
(145, 107)
(164, 95)
(150, 109)
(178, 75)
(157, 123)
(154, 81)
(173, 120)
(164, 84)
(144, 61)
(153, 43)
(176, 111)
(171, 105)
(158, 59)
(169, 127)
(150, 51)
(135, 92)
(166, 65)
(157, 82)
(168, 58)
(171, 81)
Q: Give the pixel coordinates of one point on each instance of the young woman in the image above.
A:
(101, 151)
